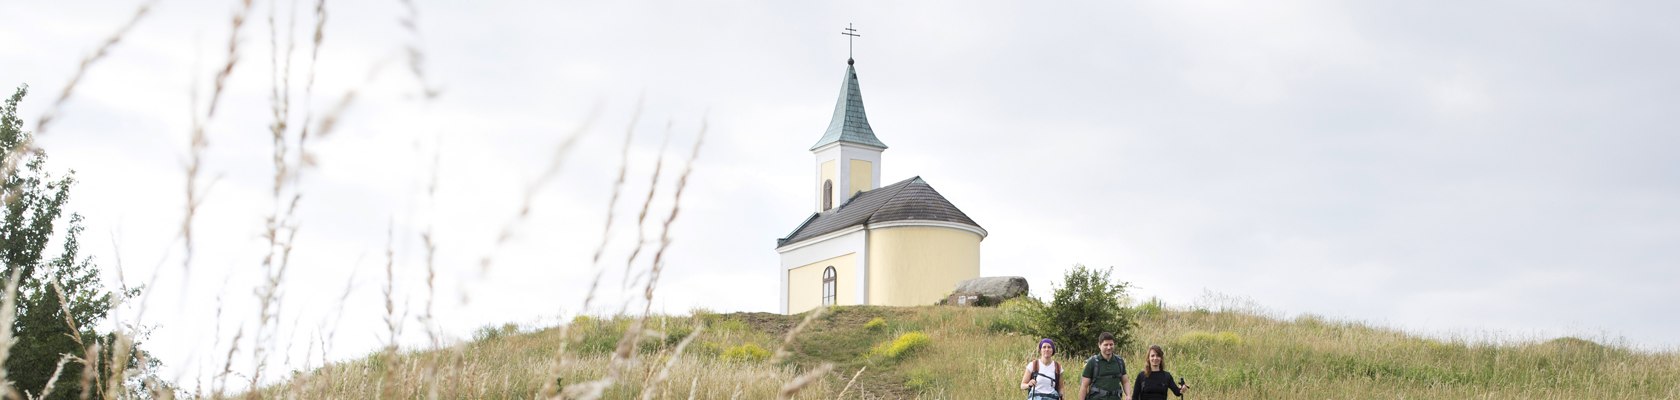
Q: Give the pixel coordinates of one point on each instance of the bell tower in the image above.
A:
(848, 156)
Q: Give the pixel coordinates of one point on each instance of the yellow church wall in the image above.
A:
(861, 177)
(805, 283)
(919, 265)
(828, 172)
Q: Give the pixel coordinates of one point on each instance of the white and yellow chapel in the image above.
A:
(901, 244)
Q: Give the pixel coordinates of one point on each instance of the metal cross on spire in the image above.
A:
(852, 34)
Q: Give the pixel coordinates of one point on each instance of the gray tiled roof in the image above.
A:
(849, 123)
(910, 199)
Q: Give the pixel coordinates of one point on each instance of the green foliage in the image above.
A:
(1088, 303)
(1150, 308)
(875, 325)
(596, 336)
(746, 352)
(676, 332)
(903, 345)
(493, 332)
(61, 300)
(1018, 315)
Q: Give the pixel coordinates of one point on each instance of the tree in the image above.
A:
(1087, 303)
(61, 301)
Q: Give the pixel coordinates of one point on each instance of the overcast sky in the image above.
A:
(1495, 170)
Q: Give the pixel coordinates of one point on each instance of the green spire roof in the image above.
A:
(849, 125)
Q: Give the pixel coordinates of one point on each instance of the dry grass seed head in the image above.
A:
(799, 383)
(850, 382)
(8, 315)
(555, 162)
(781, 351)
(47, 117)
(676, 355)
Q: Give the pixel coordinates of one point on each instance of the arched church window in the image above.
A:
(828, 195)
(829, 287)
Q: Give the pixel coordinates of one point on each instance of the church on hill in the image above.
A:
(901, 244)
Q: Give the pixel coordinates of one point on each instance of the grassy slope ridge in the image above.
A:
(1224, 355)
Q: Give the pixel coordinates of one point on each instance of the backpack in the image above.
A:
(1057, 379)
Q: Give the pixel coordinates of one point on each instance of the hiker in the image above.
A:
(1044, 375)
(1105, 373)
(1154, 382)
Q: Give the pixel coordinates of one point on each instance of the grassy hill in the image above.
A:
(1223, 355)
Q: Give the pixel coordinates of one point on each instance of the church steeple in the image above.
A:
(849, 123)
(848, 155)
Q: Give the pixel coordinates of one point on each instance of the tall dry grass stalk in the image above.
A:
(427, 318)
(665, 229)
(51, 114)
(392, 323)
(281, 227)
(618, 184)
(290, 160)
(75, 334)
(625, 353)
(308, 159)
(410, 21)
(198, 142)
(551, 388)
(15, 155)
(647, 204)
(671, 362)
(851, 381)
(64, 307)
(220, 385)
(329, 330)
(781, 350)
(798, 384)
(657, 267)
(557, 160)
(8, 315)
(26, 147)
(90, 369)
(117, 369)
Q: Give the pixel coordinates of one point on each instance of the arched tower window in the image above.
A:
(828, 286)
(828, 195)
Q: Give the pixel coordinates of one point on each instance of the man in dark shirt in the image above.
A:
(1105, 374)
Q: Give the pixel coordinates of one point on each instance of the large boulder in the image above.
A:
(987, 291)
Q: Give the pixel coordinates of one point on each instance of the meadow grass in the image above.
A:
(1223, 355)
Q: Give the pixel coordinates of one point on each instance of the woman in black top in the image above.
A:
(1154, 382)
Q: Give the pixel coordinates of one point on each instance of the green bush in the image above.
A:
(905, 344)
(1151, 307)
(595, 336)
(492, 332)
(747, 352)
(875, 325)
(1018, 315)
(676, 333)
(1088, 303)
